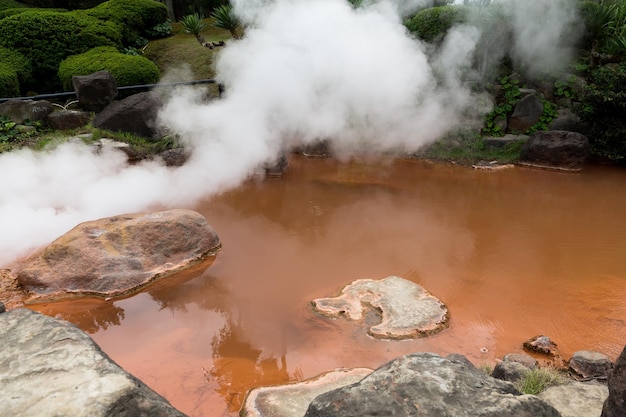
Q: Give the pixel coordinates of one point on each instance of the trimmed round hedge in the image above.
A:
(17, 10)
(431, 24)
(136, 17)
(46, 38)
(9, 84)
(15, 70)
(126, 69)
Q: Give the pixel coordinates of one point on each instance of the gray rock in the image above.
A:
(136, 114)
(526, 113)
(504, 141)
(95, 91)
(590, 364)
(175, 157)
(68, 119)
(556, 149)
(407, 309)
(565, 120)
(526, 360)
(21, 110)
(509, 371)
(576, 399)
(292, 400)
(615, 404)
(50, 368)
(118, 255)
(425, 384)
(2, 307)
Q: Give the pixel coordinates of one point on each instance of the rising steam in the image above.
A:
(307, 70)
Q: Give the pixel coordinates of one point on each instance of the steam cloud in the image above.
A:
(305, 71)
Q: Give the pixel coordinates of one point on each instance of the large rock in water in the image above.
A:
(425, 384)
(118, 255)
(555, 149)
(50, 368)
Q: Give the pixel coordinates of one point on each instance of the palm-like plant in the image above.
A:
(224, 18)
(194, 24)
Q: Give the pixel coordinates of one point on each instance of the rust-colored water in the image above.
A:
(513, 253)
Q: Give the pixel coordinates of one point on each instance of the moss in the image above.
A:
(126, 69)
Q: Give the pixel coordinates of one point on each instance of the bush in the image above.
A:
(126, 69)
(18, 63)
(603, 109)
(136, 17)
(17, 10)
(9, 85)
(46, 38)
(431, 24)
(10, 4)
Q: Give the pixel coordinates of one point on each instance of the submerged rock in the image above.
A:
(407, 309)
(50, 368)
(425, 384)
(292, 400)
(118, 255)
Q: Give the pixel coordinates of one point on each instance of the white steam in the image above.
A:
(307, 70)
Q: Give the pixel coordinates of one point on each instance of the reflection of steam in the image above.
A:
(305, 71)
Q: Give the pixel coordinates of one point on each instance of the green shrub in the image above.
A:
(603, 109)
(537, 380)
(9, 84)
(136, 17)
(46, 38)
(10, 4)
(18, 63)
(17, 10)
(126, 69)
(431, 24)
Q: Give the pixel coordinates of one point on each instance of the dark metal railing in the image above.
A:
(123, 88)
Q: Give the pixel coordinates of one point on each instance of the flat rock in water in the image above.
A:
(292, 400)
(50, 368)
(118, 255)
(407, 309)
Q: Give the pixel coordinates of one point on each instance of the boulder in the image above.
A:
(95, 91)
(292, 400)
(49, 368)
(576, 399)
(514, 366)
(565, 120)
(175, 157)
(497, 143)
(67, 119)
(407, 309)
(117, 255)
(20, 111)
(425, 384)
(136, 114)
(526, 113)
(590, 364)
(615, 404)
(555, 149)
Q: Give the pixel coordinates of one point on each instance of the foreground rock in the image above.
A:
(589, 364)
(576, 399)
(407, 309)
(95, 91)
(556, 149)
(615, 404)
(51, 368)
(292, 400)
(19, 111)
(118, 255)
(425, 384)
(136, 114)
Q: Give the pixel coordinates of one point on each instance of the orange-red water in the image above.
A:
(513, 253)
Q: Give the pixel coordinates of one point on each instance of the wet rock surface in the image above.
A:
(407, 309)
(425, 384)
(292, 400)
(118, 255)
(590, 364)
(49, 367)
(555, 149)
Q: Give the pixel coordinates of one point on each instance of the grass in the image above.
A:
(169, 53)
(468, 149)
(538, 379)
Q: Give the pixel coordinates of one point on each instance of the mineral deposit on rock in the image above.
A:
(292, 400)
(407, 309)
(118, 255)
